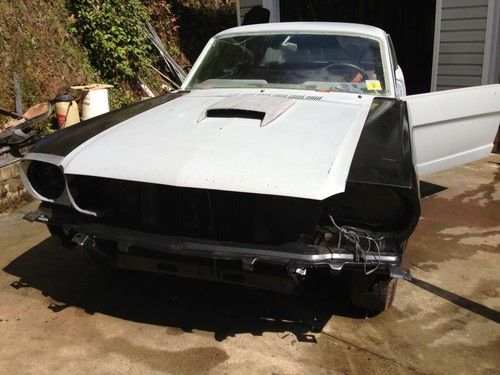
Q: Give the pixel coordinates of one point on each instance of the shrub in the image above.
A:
(113, 33)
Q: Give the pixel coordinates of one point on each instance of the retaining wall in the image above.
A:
(12, 192)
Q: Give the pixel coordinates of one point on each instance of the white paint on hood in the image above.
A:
(306, 152)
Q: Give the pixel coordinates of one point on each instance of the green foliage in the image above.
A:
(199, 20)
(113, 33)
(119, 97)
(184, 26)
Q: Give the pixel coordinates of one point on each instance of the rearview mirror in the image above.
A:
(287, 46)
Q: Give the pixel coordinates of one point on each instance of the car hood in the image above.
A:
(302, 148)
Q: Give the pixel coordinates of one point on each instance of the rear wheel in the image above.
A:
(372, 292)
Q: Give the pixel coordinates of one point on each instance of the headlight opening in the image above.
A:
(46, 179)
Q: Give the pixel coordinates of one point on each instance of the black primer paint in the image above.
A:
(383, 154)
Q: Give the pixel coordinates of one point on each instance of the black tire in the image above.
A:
(61, 237)
(372, 292)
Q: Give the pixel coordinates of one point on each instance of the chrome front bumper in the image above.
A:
(296, 258)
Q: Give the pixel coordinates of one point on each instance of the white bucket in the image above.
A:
(96, 100)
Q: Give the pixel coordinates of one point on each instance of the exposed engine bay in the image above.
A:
(294, 233)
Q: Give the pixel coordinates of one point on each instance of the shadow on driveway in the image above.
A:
(428, 188)
(72, 279)
(464, 303)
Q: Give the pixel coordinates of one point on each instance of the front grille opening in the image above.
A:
(197, 213)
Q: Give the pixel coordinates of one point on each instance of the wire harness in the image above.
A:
(365, 244)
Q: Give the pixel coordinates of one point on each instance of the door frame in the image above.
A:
(437, 41)
(274, 9)
(491, 48)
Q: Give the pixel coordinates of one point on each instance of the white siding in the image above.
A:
(461, 43)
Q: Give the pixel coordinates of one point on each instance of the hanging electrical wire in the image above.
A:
(362, 241)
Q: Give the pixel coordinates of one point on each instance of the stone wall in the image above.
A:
(12, 193)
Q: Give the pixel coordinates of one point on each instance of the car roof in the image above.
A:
(310, 27)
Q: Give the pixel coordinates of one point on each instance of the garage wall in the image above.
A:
(460, 43)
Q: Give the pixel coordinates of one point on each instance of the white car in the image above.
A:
(290, 150)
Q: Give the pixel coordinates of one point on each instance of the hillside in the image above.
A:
(36, 42)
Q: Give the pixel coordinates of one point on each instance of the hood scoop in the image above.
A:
(232, 112)
(258, 107)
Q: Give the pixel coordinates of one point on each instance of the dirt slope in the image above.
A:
(35, 43)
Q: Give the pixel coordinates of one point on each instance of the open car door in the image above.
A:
(453, 127)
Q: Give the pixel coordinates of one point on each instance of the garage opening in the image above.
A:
(410, 24)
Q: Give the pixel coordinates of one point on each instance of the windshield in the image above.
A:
(319, 62)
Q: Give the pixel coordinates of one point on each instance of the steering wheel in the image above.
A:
(349, 65)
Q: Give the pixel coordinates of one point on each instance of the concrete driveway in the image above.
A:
(61, 313)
